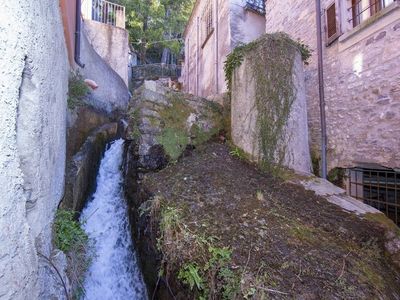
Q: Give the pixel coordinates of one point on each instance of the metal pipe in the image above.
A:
(78, 34)
(321, 91)
(197, 56)
(216, 47)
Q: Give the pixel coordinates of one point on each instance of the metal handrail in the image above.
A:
(108, 13)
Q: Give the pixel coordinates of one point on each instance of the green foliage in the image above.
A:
(231, 286)
(68, 231)
(272, 72)
(337, 176)
(170, 219)
(156, 24)
(77, 90)
(219, 257)
(190, 275)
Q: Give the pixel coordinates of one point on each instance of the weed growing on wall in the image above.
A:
(77, 90)
(271, 62)
(74, 242)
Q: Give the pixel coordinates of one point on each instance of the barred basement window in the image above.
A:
(378, 187)
(207, 22)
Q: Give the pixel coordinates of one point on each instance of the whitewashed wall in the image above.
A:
(33, 99)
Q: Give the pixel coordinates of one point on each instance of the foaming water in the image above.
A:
(114, 272)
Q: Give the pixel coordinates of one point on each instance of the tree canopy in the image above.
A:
(156, 24)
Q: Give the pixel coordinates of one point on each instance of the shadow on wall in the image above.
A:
(112, 93)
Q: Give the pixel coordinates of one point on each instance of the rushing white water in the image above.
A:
(114, 273)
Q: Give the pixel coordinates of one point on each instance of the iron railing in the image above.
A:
(108, 13)
(153, 71)
(256, 5)
(360, 12)
(379, 188)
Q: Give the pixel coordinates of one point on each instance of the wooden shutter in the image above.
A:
(375, 6)
(331, 23)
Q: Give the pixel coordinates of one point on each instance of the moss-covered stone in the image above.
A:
(270, 64)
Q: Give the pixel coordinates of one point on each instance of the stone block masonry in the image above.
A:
(33, 92)
(362, 75)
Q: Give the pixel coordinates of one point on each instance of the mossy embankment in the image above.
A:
(221, 229)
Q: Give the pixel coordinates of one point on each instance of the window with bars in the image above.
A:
(256, 6)
(207, 21)
(378, 187)
(361, 10)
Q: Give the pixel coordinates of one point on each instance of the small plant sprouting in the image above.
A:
(190, 275)
(74, 242)
(77, 90)
(68, 231)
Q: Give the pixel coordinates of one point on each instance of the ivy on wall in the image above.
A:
(270, 60)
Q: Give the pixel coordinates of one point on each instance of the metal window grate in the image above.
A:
(360, 11)
(379, 188)
(256, 5)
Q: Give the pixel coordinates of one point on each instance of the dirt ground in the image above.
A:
(286, 242)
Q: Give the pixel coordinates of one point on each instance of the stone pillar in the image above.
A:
(245, 134)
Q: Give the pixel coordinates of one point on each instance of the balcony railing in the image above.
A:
(154, 71)
(257, 6)
(108, 13)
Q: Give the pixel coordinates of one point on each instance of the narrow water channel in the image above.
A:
(114, 272)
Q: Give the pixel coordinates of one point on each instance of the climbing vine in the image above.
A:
(270, 60)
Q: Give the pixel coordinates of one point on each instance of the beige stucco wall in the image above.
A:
(111, 43)
(203, 71)
(362, 77)
(33, 99)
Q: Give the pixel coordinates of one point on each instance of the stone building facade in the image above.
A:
(361, 75)
(215, 28)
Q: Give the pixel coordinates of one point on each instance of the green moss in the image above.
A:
(384, 221)
(134, 116)
(271, 61)
(177, 114)
(316, 162)
(174, 142)
(77, 90)
(367, 274)
(199, 136)
(337, 176)
(305, 233)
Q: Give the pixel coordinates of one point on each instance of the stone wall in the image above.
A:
(203, 72)
(362, 73)
(33, 92)
(245, 131)
(111, 43)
